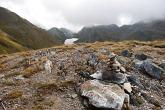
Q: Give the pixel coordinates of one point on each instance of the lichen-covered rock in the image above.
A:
(48, 66)
(92, 60)
(103, 95)
(153, 70)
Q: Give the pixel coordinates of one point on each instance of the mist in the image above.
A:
(74, 14)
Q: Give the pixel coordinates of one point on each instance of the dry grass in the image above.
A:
(31, 70)
(13, 95)
(12, 74)
(47, 86)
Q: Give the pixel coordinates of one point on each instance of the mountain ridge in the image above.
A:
(139, 31)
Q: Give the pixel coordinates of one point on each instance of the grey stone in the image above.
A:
(126, 53)
(153, 70)
(103, 95)
(127, 87)
(48, 66)
(114, 76)
(92, 60)
(141, 57)
(138, 64)
(74, 96)
(97, 75)
(134, 79)
(104, 51)
(162, 65)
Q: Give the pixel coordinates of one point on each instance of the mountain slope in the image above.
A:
(68, 33)
(62, 34)
(57, 33)
(24, 32)
(7, 45)
(138, 31)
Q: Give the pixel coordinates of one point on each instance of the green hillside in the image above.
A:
(7, 45)
(24, 32)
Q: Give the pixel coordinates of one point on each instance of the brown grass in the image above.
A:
(13, 95)
(31, 70)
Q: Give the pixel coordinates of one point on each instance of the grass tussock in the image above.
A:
(31, 70)
(12, 74)
(13, 95)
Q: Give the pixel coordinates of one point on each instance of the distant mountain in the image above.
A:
(8, 45)
(138, 31)
(61, 33)
(23, 32)
(68, 33)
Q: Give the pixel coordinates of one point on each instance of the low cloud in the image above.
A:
(74, 14)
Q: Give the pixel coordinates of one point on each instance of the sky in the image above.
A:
(75, 14)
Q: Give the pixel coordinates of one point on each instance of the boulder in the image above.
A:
(113, 76)
(126, 53)
(48, 66)
(153, 70)
(141, 57)
(103, 95)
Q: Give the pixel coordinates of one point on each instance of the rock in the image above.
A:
(134, 79)
(61, 65)
(104, 51)
(2, 76)
(153, 70)
(107, 95)
(86, 75)
(19, 77)
(138, 64)
(116, 66)
(74, 96)
(127, 87)
(123, 60)
(126, 53)
(113, 76)
(162, 65)
(97, 75)
(122, 69)
(48, 66)
(92, 60)
(141, 57)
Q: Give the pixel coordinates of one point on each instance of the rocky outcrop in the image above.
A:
(147, 66)
(101, 95)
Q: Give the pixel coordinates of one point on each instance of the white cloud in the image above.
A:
(74, 14)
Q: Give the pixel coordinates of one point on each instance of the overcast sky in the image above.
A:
(74, 14)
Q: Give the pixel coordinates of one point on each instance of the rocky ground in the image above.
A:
(55, 78)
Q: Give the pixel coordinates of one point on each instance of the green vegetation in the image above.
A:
(23, 34)
(7, 45)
